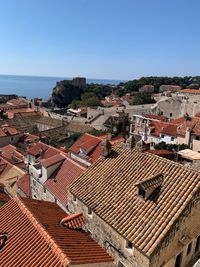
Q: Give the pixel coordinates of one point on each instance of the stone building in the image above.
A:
(51, 173)
(9, 135)
(143, 209)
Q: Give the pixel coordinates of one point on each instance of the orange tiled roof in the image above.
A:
(191, 91)
(11, 154)
(109, 188)
(193, 124)
(74, 221)
(170, 130)
(24, 184)
(8, 131)
(36, 238)
(52, 160)
(58, 184)
(45, 151)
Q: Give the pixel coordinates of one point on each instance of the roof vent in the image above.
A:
(3, 239)
(150, 186)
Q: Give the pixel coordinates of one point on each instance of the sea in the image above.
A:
(37, 86)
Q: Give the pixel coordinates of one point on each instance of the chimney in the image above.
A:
(105, 148)
(130, 142)
(188, 136)
(142, 146)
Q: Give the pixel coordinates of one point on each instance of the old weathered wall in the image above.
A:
(184, 231)
(108, 238)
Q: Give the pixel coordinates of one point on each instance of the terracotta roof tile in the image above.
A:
(24, 184)
(58, 184)
(191, 91)
(192, 123)
(8, 131)
(38, 239)
(74, 221)
(11, 154)
(48, 162)
(109, 188)
(170, 130)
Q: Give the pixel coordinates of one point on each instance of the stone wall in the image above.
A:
(183, 232)
(8, 140)
(108, 238)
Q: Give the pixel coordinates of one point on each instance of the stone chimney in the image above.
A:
(130, 142)
(142, 146)
(105, 148)
(188, 136)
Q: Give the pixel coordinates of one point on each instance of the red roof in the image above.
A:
(92, 145)
(11, 154)
(45, 151)
(36, 238)
(170, 130)
(156, 127)
(192, 123)
(24, 184)
(8, 131)
(74, 221)
(29, 138)
(52, 160)
(191, 91)
(4, 166)
(58, 184)
(117, 140)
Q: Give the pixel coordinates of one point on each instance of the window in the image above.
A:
(44, 189)
(89, 211)
(170, 114)
(129, 244)
(141, 192)
(172, 138)
(12, 139)
(197, 138)
(161, 113)
(197, 244)
(74, 198)
(162, 135)
(34, 182)
(178, 260)
(189, 248)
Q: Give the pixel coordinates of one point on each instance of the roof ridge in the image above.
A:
(39, 227)
(76, 163)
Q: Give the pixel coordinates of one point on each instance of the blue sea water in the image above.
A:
(35, 86)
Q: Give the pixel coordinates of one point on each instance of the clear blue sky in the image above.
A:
(111, 39)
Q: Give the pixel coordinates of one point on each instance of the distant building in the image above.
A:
(169, 88)
(89, 148)
(147, 88)
(79, 82)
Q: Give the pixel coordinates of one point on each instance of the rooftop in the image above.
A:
(24, 184)
(58, 184)
(8, 131)
(38, 239)
(109, 188)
